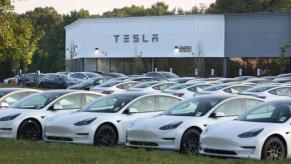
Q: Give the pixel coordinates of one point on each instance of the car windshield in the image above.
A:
(181, 86)
(38, 101)
(91, 75)
(145, 85)
(169, 75)
(109, 84)
(109, 104)
(216, 87)
(273, 112)
(88, 82)
(259, 89)
(197, 107)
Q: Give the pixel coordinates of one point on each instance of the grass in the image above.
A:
(41, 152)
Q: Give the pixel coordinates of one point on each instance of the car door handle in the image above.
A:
(42, 116)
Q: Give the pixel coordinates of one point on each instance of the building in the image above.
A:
(217, 45)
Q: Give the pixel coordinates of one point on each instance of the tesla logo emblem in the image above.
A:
(136, 38)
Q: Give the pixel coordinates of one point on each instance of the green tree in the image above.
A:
(283, 61)
(247, 6)
(17, 43)
(138, 65)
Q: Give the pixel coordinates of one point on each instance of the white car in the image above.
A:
(9, 96)
(114, 87)
(187, 90)
(26, 118)
(180, 127)
(261, 133)
(270, 92)
(104, 121)
(225, 88)
(152, 87)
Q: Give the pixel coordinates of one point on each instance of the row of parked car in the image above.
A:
(243, 117)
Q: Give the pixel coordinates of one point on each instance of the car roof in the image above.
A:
(11, 89)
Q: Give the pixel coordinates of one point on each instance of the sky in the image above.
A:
(100, 6)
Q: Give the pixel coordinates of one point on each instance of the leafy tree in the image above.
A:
(138, 64)
(247, 6)
(17, 43)
(283, 61)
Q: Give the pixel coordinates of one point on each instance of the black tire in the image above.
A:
(29, 130)
(105, 136)
(190, 141)
(9, 82)
(273, 149)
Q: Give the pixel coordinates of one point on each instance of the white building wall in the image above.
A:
(204, 31)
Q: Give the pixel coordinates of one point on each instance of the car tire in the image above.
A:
(9, 82)
(273, 149)
(190, 141)
(105, 136)
(29, 130)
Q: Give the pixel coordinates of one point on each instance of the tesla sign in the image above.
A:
(136, 38)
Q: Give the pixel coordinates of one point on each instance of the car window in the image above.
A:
(54, 78)
(162, 87)
(251, 103)
(14, 98)
(230, 108)
(282, 91)
(87, 98)
(126, 85)
(70, 102)
(164, 102)
(145, 104)
(198, 88)
(237, 89)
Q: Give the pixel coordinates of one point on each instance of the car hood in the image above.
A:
(235, 128)
(72, 118)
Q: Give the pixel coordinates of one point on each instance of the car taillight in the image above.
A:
(107, 92)
(179, 94)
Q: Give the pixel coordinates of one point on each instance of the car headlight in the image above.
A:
(171, 126)
(9, 117)
(252, 133)
(85, 122)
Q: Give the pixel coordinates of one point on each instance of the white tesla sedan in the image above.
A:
(152, 87)
(104, 121)
(187, 90)
(9, 96)
(26, 118)
(225, 88)
(261, 133)
(114, 86)
(270, 92)
(179, 128)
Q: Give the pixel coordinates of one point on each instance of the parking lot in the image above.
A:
(157, 117)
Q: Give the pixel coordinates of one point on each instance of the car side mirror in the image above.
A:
(4, 105)
(216, 115)
(55, 107)
(130, 111)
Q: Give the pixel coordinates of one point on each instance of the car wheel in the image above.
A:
(190, 141)
(10, 82)
(105, 136)
(273, 149)
(29, 130)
